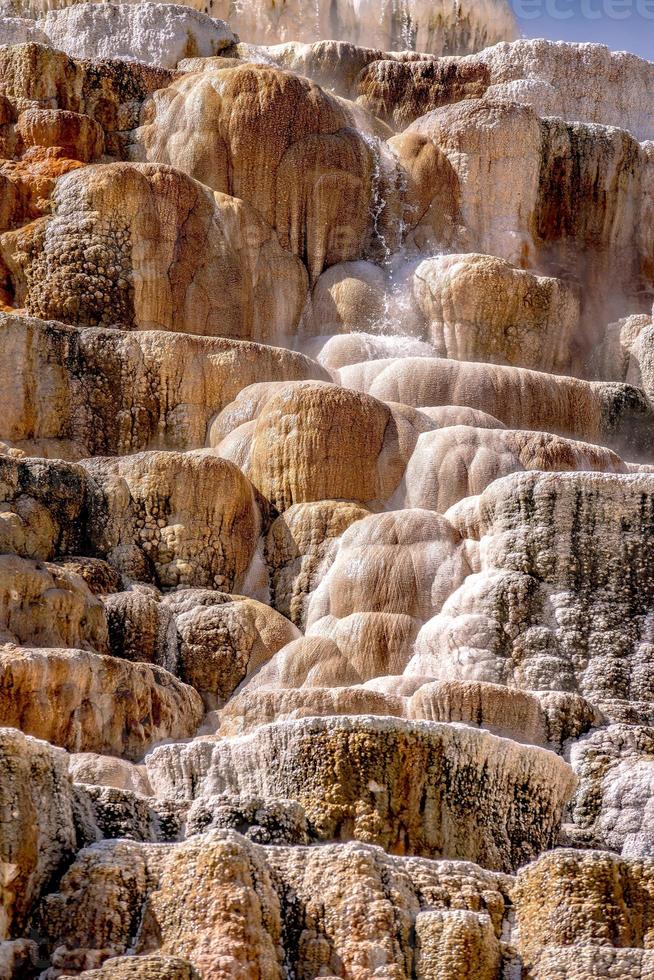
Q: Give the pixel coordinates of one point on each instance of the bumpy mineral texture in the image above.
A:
(326, 495)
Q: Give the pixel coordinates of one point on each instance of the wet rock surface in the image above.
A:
(326, 495)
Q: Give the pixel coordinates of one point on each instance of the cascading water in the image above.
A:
(437, 26)
(378, 203)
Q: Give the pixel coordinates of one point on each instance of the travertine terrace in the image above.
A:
(326, 495)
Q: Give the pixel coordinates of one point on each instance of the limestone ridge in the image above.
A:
(326, 495)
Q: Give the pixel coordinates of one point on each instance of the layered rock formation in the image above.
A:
(326, 496)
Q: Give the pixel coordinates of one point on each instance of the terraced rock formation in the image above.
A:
(326, 495)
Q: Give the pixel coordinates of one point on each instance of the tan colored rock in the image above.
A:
(252, 708)
(494, 148)
(141, 628)
(456, 944)
(246, 407)
(399, 92)
(38, 831)
(317, 661)
(174, 518)
(311, 61)
(222, 639)
(283, 145)
(422, 918)
(522, 399)
(104, 770)
(432, 194)
(167, 518)
(565, 197)
(479, 308)
(215, 934)
(456, 462)
(319, 442)
(43, 605)
(388, 575)
(209, 639)
(41, 506)
(260, 94)
(110, 92)
(405, 562)
(551, 606)
(155, 245)
(348, 298)
(27, 186)
(547, 720)
(115, 887)
(100, 577)
(426, 491)
(77, 135)
(54, 407)
(344, 901)
(555, 895)
(370, 644)
(297, 544)
(237, 446)
(540, 719)
(389, 782)
(142, 968)
(86, 702)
